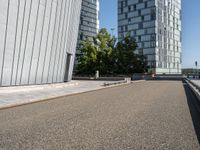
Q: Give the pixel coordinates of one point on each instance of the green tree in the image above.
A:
(96, 54)
(87, 60)
(126, 59)
(103, 54)
(105, 44)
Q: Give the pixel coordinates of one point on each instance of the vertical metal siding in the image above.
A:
(36, 37)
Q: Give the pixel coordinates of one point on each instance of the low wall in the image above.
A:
(194, 87)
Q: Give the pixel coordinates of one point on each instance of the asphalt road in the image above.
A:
(147, 115)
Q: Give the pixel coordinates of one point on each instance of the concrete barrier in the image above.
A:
(194, 87)
(115, 83)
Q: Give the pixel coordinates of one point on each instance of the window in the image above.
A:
(122, 10)
(134, 32)
(122, 4)
(140, 25)
(81, 20)
(134, 7)
(146, 5)
(126, 15)
(139, 38)
(153, 37)
(153, 14)
(142, 17)
(81, 36)
(139, 12)
(129, 20)
(126, 3)
(122, 29)
(126, 28)
(129, 8)
(140, 51)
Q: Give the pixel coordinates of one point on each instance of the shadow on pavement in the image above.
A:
(194, 106)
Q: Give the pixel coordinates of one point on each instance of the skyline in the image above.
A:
(190, 25)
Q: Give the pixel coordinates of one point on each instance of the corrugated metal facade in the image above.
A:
(37, 37)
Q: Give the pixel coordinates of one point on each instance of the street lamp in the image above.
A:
(196, 64)
(112, 31)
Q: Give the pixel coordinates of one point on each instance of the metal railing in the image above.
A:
(193, 84)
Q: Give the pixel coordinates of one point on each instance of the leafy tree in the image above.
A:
(96, 54)
(126, 59)
(87, 60)
(103, 54)
(105, 44)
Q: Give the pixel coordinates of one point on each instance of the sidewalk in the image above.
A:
(13, 96)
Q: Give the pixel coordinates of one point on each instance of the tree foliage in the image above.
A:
(87, 59)
(109, 57)
(96, 54)
(126, 59)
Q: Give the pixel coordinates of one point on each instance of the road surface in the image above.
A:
(148, 115)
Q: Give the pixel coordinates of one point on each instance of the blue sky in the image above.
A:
(191, 27)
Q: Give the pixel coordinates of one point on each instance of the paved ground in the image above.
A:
(147, 115)
(10, 96)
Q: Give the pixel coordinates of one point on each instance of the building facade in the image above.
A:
(38, 40)
(89, 21)
(156, 26)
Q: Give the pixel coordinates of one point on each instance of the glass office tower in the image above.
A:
(156, 26)
(89, 22)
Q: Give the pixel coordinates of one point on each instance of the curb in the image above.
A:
(61, 96)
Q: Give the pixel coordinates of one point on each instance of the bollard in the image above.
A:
(127, 80)
(97, 74)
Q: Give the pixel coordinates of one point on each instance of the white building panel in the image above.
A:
(35, 38)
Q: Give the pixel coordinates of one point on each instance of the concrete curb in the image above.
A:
(61, 96)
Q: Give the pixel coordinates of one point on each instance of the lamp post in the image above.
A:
(112, 31)
(196, 64)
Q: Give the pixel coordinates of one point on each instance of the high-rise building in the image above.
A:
(156, 26)
(38, 40)
(89, 21)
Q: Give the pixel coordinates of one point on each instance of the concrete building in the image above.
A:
(156, 26)
(38, 40)
(89, 21)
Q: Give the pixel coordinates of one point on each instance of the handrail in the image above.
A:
(195, 85)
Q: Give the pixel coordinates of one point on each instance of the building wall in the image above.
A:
(168, 29)
(156, 26)
(89, 21)
(36, 36)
